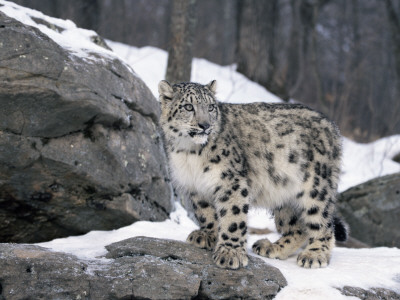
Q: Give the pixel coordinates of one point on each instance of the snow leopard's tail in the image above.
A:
(341, 229)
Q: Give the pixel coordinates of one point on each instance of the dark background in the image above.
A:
(341, 57)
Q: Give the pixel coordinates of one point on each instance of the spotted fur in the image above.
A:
(228, 157)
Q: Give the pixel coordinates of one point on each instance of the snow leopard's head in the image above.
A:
(189, 112)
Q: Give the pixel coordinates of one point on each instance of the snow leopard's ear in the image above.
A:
(212, 86)
(165, 90)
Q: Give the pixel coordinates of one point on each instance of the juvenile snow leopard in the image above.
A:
(228, 157)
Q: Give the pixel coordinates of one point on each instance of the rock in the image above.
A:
(137, 268)
(32, 272)
(372, 294)
(257, 281)
(372, 210)
(80, 148)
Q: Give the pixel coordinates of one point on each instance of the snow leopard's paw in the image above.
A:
(202, 239)
(230, 258)
(313, 259)
(271, 250)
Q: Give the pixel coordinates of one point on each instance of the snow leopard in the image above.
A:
(230, 157)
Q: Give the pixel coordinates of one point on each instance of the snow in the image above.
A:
(150, 64)
(364, 268)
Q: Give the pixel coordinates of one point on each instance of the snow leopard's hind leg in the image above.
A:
(206, 236)
(290, 225)
(318, 216)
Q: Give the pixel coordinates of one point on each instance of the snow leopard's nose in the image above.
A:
(204, 126)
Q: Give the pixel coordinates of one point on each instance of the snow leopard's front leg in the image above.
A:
(232, 206)
(206, 236)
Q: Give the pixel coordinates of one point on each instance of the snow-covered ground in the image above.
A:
(364, 268)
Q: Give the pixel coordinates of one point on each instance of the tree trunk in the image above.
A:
(394, 25)
(256, 40)
(229, 32)
(182, 28)
(294, 74)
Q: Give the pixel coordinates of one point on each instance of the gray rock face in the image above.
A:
(372, 210)
(372, 294)
(138, 268)
(79, 144)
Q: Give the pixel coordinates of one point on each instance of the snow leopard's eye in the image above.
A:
(188, 107)
(211, 107)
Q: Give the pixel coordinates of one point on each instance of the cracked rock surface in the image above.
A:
(137, 268)
(79, 145)
(141, 268)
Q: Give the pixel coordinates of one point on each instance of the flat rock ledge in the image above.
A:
(136, 268)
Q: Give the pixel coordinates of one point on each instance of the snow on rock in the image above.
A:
(78, 41)
(92, 244)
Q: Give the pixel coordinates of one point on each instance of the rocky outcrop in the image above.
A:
(137, 268)
(372, 210)
(79, 145)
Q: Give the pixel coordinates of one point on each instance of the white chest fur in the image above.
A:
(187, 171)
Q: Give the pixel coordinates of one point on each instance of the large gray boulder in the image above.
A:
(79, 144)
(372, 210)
(137, 268)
